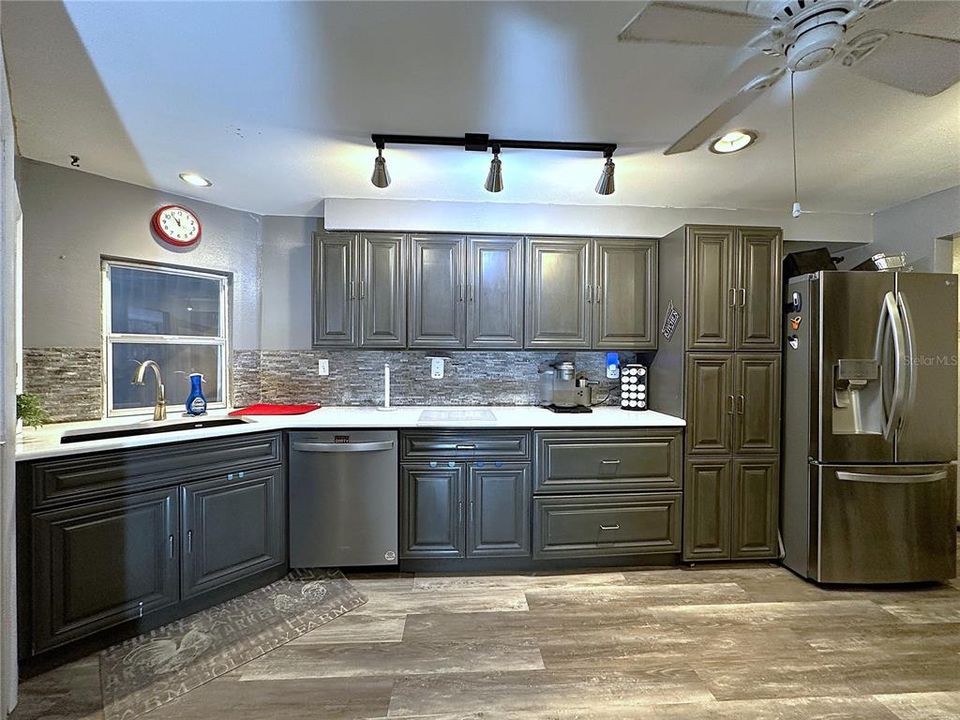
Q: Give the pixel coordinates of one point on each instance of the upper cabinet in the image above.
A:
(393, 290)
(733, 288)
(494, 292)
(591, 293)
(359, 290)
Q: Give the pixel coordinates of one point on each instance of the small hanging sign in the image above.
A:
(670, 321)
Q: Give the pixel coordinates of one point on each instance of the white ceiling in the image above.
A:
(275, 103)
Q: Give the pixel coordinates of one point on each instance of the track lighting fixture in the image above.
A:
(494, 181)
(380, 177)
(605, 184)
(480, 142)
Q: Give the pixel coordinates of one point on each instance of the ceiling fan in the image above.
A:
(803, 34)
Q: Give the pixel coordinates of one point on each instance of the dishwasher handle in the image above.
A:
(320, 447)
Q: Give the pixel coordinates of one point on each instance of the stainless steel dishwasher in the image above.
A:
(343, 498)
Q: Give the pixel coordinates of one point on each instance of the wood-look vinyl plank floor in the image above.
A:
(725, 642)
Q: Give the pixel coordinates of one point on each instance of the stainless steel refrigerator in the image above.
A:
(870, 427)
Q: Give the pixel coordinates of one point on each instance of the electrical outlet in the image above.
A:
(436, 368)
(323, 367)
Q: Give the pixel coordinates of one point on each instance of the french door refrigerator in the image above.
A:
(870, 431)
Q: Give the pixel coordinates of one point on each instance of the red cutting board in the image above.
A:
(268, 409)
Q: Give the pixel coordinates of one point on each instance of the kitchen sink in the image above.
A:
(146, 428)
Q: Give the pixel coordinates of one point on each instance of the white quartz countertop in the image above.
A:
(45, 442)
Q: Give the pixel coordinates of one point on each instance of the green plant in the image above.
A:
(31, 411)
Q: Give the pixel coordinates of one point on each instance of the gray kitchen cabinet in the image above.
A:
(711, 402)
(759, 272)
(119, 541)
(494, 292)
(334, 289)
(559, 293)
(756, 499)
(711, 288)
(359, 290)
(382, 291)
(498, 518)
(757, 403)
(431, 510)
(437, 318)
(233, 526)
(625, 294)
(101, 563)
(707, 509)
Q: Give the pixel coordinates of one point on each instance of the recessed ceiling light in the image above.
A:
(733, 141)
(191, 178)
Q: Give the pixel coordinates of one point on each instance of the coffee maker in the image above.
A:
(563, 391)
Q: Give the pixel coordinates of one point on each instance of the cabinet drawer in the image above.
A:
(604, 525)
(417, 446)
(86, 477)
(618, 460)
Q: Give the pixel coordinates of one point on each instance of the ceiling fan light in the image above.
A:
(733, 141)
(380, 177)
(494, 181)
(605, 185)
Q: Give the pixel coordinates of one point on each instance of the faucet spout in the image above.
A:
(160, 406)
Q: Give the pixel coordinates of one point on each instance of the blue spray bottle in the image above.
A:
(196, 402)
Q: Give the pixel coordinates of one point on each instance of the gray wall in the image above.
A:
(71, 218)
(915, 228)
(285, 306)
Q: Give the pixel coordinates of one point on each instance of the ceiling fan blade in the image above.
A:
(920, 64)
(673, 22)
(713, 123)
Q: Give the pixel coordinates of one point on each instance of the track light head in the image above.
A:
(494, 181)
(605, 185)
(380, 177)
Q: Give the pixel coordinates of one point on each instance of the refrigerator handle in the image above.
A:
(910, 343)
(891, 322)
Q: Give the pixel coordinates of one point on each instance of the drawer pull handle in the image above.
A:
(466, 447)
(609, 462)
(610, 527)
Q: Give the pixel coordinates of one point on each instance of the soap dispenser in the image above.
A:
(196, 402)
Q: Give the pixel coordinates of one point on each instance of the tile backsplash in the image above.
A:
(68, 380)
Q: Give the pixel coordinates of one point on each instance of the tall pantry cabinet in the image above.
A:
(718, 366)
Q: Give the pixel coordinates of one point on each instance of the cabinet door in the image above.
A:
(233, 526)
(100, 564)
(383, 291)
(758, 296)
(625, 298)
(498, 522)
(494, 292)
(711, 291)
(431, 510)
(559, 295)
(334, 289)
(437, 315)
(758, 403)
(710, 403)
(756, 500)
(706, 510)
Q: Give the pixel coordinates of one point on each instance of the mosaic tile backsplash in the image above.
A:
(69, 385)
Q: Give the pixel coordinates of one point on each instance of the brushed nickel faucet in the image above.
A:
(160, 407)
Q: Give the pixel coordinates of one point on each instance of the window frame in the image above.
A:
(110, 338)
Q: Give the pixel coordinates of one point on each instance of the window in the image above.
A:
(175, 317)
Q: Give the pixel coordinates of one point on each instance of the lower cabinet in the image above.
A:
(233, 526)
(110, 538)
(99, 564)
(731, 508)
(464, 510)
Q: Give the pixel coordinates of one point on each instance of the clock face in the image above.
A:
(176, 225)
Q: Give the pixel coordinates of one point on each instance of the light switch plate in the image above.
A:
(323, 367)
(436, 368)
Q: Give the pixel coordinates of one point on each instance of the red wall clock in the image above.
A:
(176, 225)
